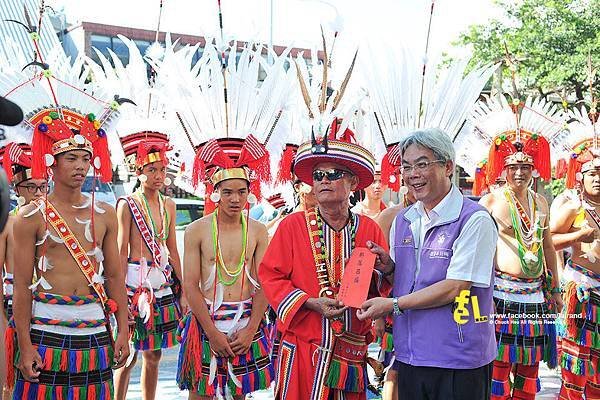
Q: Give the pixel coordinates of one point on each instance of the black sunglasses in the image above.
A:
(330, 174)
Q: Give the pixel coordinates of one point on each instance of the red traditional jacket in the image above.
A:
(288, 277)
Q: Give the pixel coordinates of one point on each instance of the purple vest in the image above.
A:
(431, 337)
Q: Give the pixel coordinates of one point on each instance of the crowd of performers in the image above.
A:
(466, 298)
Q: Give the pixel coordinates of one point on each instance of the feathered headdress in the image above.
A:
(328, 121)
(519, 133)
(153, 122)
(62, 111)
(228, 113)
(578, 144)
(405, 97)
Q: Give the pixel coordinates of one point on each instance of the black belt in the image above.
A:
(51, 378)
(588, 325)
(69, 342)
(524, 341)
(165, 300)
(514, 307)
(166, 327)
(255, 365)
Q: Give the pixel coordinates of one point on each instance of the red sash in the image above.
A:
(77, 252)
(142, 226)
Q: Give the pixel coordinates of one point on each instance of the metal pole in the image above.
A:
(270, 56)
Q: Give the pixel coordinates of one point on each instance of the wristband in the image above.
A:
(397, 309)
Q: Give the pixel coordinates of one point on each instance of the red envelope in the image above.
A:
(357, 277)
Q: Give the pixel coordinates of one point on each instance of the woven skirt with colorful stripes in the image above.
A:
(580, 345)
(235, 376)
(74, 367)
(524, 333)
(161, 331)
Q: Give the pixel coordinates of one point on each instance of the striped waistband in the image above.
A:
(582, 270)
(507, 283)
(228, 311)
(49, 298)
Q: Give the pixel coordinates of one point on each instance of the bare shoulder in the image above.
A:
(30, 214)
(541, 200)
(488, 200)
(108, 211)
(257, 227)
(170, 203)
(389, 213)
(199, 227)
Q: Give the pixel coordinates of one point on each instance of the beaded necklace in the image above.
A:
(164, 215)
(527, 233)
(220, 265)
(337, 250)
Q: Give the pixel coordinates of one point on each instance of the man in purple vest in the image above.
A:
(444, 245)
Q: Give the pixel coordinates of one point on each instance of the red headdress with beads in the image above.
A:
(521, 137)
(16, 161)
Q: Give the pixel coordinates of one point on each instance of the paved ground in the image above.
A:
(168, 390)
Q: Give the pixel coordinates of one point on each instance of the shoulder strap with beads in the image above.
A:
(75, 249)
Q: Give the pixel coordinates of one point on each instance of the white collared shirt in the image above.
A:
(473, 249)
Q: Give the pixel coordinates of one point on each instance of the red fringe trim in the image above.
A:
(101, 151)
(539, 148)
(7, 162)
(496, 157)
(572, 169)
(480, 183)
(40, 146)
(284, 173)
(9, 340)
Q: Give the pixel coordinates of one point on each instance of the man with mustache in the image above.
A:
(301, 277)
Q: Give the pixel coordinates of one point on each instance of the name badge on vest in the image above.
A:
(407, 240)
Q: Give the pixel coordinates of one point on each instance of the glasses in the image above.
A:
(32, 189)
(330, 174)
(418, 167)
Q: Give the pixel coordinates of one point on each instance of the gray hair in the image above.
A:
(433, 139)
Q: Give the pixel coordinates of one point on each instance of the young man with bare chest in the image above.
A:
(575, 223)
(524, 257)
(225, 349)
(148, 246)
(17, 164)
(68, 247)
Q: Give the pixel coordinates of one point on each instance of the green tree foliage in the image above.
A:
(550, 39)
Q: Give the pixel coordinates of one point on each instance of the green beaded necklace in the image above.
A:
(220, 265)
(164, 214)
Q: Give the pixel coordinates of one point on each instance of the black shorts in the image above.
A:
(431, 383)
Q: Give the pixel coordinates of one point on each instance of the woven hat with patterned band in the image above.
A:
(520, 133)
(408, 95)
(328, 117)
(16, 161)
(229, 115)
(350, 155)
(579, 145)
